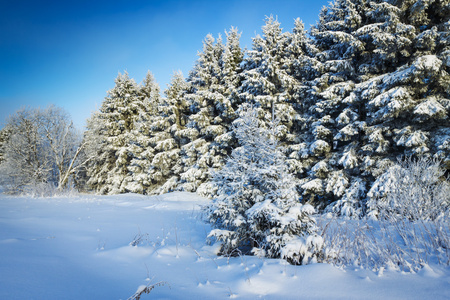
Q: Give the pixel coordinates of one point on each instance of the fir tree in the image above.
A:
(210, 96)
(257, 207)
(141, 137)
(273, 79)
(264, 76)
(169, 120)
(113, 129)
(382, 92)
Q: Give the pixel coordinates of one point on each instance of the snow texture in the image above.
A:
(79, 248)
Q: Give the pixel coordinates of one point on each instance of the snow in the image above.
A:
(431, 108)
(79, 248)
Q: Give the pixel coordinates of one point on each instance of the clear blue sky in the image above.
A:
(68, 53)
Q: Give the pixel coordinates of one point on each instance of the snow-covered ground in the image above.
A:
(79, 248)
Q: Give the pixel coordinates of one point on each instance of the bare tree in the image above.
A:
(42, 147)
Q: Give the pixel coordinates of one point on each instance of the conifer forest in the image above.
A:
(368, 85)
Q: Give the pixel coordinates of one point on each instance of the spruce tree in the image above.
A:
(141, 141)
(273, 80)
(264, 76)
(382, 92)
(257, 207)
(113, 129)
(210, 96)
(169, 120)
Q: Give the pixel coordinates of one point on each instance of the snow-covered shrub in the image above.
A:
(407, 225)
(257, 207)
(413, 189)
(377, 244)
(347, 243)
(40, 190)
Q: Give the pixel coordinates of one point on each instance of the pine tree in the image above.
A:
(169, 119)
(300, 66)
(406, 94)
(257, 207)
(328, 96)
(382, 92)
(113, 129)
(142, 136)
(273, 79)
(210, 96)
(264, 76)
(200, 128)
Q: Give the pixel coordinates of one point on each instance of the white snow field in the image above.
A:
(79, 248)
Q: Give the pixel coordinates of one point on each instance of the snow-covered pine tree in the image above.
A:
(143, 137)
(201, 129)
(170, 119)
(230, 79)
(327, 179)
(96, 147)
(257, 207)
(406, 93)
(265, 78)
(211, 94)
(383, 92)
(273, 80)
(300, 66)
(113, 129)
(409, 104)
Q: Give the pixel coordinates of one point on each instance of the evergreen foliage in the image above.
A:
(381, 93)
(257, 205)
(120, 144)
(211, 97)
(169, 119)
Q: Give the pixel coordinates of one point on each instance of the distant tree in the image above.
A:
(114, 137)
(257, 207)
(4, 135)
(211, 97)
(42, 148)
(142, 137)
(170, 118)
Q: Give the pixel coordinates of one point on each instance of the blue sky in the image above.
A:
(68, 53)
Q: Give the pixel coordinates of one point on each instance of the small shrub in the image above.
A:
(146, 289)
(407, 225)
(415, 189)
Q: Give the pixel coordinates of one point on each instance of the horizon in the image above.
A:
(68, 54)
